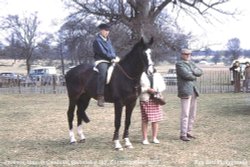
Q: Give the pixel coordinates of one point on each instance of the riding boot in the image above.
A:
(100, 101)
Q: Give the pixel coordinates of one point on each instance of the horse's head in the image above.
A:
(138, 59)
(146, 55)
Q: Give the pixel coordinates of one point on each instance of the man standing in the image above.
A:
(104, 55)
(236, 70)
(247, 76)
(187, 72)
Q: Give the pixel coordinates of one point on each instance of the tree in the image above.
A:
(234, 49)
(139, 15)
(144, 17)
(13, 49)
(216, 58)
(45, 49)
(24, 32)
(77, 38)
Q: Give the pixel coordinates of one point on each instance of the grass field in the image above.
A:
(34, 132)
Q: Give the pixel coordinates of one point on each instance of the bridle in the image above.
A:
(124, 72)
(147, 65)
(127, 75)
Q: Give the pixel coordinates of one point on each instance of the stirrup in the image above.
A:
(100, 101)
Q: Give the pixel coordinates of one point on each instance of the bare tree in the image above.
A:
(140, 15)
(77, 37)
(24, 30)
(234, 49)
(46, 49)
(13, 49)
(146, 18)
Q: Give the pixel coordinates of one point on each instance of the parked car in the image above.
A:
(170, 77)
(204, 62)
(38, 72)
(11, 76)
(10, 79)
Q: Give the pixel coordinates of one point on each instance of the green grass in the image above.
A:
(34, 130)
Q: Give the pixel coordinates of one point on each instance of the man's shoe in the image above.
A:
(100, 101)
(190, 136)
(184, 138)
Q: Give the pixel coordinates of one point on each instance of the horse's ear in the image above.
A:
(144, 40)
(151, 41)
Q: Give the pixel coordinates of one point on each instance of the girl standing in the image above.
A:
(150, 110)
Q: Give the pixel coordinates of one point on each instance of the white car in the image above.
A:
(170, 77)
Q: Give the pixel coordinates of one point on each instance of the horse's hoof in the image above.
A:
(119, 149)
(82, 141)
(73, 142)
(129, 147)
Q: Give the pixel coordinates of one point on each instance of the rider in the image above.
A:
(104, 54)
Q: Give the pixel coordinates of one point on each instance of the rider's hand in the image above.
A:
(115, 60)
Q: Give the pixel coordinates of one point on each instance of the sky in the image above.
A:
(214, 35)
(217, 33)
(49, 11)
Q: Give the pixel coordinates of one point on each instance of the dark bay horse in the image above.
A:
(123, 90)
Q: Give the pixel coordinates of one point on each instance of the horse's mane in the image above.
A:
(134, 48)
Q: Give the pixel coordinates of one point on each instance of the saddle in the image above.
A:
(109, 71)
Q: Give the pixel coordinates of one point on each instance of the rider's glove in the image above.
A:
(115, 60)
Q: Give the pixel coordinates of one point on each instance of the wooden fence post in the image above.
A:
(19, 84)
(54, 84)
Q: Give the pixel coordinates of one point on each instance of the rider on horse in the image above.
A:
(104, 54)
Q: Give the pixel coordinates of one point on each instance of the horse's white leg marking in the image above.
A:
(80, 133)
(72, 136)
(128, 144)
(118, 145)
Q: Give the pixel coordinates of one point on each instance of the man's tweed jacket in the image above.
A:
(187, 72)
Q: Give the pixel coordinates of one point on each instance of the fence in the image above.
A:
(50, 84)
(211, 81)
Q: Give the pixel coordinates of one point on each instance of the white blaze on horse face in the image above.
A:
(150, 62)
(148, 53)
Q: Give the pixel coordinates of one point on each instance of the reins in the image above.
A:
(124, 72)
(129, 77)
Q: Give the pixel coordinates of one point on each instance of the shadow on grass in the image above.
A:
(90, 143)
(236, 110)
(57, 147)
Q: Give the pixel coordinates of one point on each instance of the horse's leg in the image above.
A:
(118, 115)
(70, 114)
(82, 105)
(129, 110)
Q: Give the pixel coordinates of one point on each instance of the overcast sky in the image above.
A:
(216, 35)
(49, 11)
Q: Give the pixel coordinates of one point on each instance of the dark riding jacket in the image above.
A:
(187, 72)
(103, 50)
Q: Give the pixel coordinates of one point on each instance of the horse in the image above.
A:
(122, 90)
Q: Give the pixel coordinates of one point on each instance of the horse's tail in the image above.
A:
(82, 105)
(85, 118)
